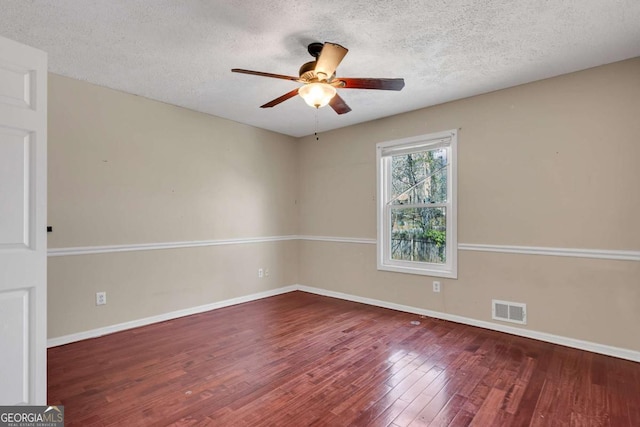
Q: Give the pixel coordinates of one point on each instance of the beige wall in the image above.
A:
(127, 170)
(142, 284)
(551, 164)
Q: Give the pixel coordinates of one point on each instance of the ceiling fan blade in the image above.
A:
(260, 73)
(329, 59)
(338, 105)
(280, 99)
(371, 83)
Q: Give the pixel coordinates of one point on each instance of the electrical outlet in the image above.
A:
(260, 273)
(436, 286)
(101, 298)
(266, 272)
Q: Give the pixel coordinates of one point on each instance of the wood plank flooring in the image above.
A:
(305, 360)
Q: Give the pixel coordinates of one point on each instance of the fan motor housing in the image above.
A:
(307, 71)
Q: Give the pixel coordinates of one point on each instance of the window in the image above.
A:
(417, 205)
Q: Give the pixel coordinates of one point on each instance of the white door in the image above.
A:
(23, 213)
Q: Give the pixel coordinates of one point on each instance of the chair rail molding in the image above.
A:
(621, 255)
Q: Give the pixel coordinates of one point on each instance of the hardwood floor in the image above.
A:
(305, 360)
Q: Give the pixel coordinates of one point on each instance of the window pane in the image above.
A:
(419, 234)
(419, 177)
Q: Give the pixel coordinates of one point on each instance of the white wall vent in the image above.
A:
(506, 311)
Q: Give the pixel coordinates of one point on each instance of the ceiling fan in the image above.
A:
(320, 81)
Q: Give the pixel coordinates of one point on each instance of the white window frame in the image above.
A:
(385, 151)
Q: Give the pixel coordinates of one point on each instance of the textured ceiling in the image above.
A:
(181, 52)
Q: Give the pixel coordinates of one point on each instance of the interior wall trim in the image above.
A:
(622, 353)
(570, 252)
(86, 250)
(542, 336)
(358, 240)
(526, 250)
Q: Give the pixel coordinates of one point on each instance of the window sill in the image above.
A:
(424, 271)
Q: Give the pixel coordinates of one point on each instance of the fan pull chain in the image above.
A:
(316, 132)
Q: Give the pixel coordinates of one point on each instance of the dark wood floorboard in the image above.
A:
(305, 360)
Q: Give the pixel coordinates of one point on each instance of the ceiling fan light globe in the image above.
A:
(317, 95)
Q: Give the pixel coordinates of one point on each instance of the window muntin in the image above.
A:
(416, 205)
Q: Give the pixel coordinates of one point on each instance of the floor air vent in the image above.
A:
(506, 311)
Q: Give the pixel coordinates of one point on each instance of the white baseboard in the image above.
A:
(94, 333)
(621, 353)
